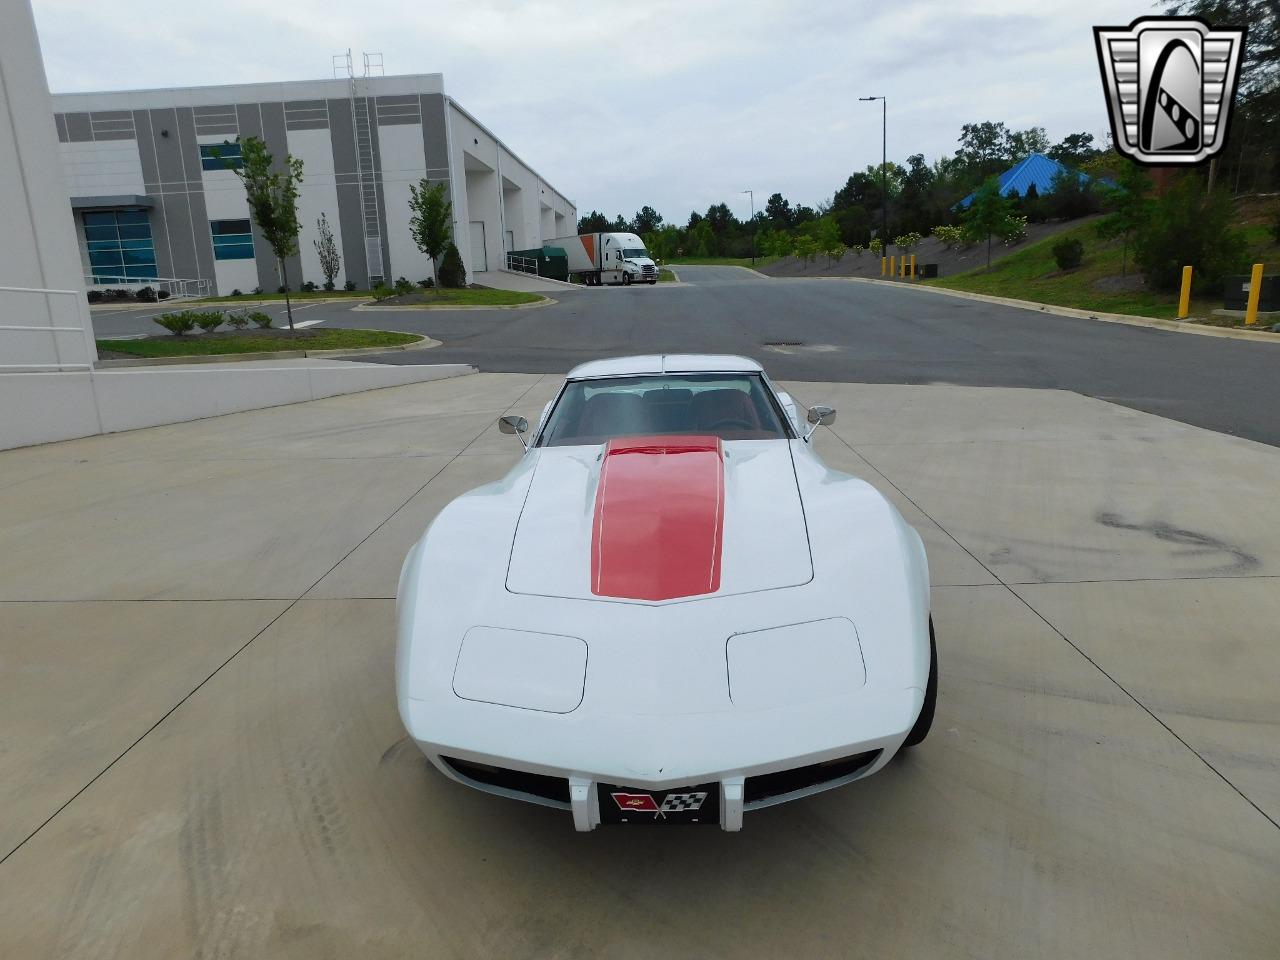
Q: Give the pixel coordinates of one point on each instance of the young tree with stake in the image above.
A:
(327, 249)
(431, 224)
(273, 201)
(988, 214)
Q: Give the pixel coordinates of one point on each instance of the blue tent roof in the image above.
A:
(1036, 168)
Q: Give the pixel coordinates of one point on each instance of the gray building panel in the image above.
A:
(249, 119)
(146, 150)
(435, 139)
(203, 236)
(179, 239)
(160, 235)
(350, 214)
(168, 151)
(79, 130)
(190, 147)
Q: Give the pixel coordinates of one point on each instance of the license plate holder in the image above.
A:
(633, 805)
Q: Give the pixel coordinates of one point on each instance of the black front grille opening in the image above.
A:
(784, 343)
(534, 784)
(788, 781)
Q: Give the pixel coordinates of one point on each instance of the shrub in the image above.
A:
(1275, 223)
(177, 323)
(426, 284)
(308, 286)
(260, 318)
(857, 250)
(237, 292)
(209, 321)
(328, 285)
(908, 241)
(95, 296)
(382, 291)
(257, 290)
(1014, 229)
(1186, 227)
(238, 321)
(283, 288)
(876, 246)
(403, 286)
(452, 272)
(349, 286)
(950, 237)
(1068, 253)
(120, 294)
(146, 295)
(162, 294)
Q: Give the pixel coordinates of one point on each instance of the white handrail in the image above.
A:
(522, 264)
(53, 330)
(177, 286)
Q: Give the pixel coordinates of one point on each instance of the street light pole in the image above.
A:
(752, 222)
(884, 173)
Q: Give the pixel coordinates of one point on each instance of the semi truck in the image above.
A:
(600, 258)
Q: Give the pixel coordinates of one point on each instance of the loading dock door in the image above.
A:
(479, 261)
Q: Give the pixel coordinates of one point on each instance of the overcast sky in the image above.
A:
(674, 103)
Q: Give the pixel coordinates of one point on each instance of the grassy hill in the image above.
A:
(1097, 284)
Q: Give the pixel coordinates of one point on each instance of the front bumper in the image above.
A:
(754, 762)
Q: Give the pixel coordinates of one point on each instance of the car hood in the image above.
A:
(661, 519)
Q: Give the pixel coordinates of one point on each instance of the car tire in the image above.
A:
(652, 282)
(626, 279)
(925, 720)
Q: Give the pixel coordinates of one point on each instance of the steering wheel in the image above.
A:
(731, 423)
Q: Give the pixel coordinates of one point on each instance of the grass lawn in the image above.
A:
(259, 341)
(666, 276)
(1032, 274)
(255, 297)
(464, 298)
(722, 261)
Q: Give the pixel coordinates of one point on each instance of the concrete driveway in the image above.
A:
(200, 754)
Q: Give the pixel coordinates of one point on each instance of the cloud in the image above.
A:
(674, 104)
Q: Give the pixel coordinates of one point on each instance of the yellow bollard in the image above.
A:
(902, 267)
(884, 266)
(1184, 301)
(893, 268)
(913, 266)
(1255, 295)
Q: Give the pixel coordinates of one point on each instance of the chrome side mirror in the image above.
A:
(820, 416)
(515, 425)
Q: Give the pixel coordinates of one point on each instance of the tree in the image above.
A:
(1074, 150)
(1130, 205)
(1071, 195)
(778, 210)
(647, 220)
(701, 239)
(593, 222)
(1023, 143)
(1186, 226)
(273, 201)
(431, 223)
(452, 271)
(988, 215)
(984, 148)
(327, 250)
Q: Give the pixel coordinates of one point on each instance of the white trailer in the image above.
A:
(608, 258)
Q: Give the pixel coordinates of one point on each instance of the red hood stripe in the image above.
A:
(659, 518)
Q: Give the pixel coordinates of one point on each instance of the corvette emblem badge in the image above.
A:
(1170, 83)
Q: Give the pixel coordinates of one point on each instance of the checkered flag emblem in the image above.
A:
(676, 802)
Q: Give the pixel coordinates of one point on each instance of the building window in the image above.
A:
(231, 240)
(120, 247)
(221, 156)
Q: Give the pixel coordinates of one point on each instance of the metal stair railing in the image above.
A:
(522, 264)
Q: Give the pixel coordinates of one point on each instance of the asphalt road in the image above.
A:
(850, 332)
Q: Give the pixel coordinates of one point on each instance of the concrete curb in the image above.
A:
(228, 304)
(1178, 326)
(734, 266)
(371, 308)
(426, 343)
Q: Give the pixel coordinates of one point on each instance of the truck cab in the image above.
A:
(608, 258)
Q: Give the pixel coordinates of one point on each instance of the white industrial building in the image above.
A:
(153, 200)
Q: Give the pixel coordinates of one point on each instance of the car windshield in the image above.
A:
(731, 406)
(636, 252)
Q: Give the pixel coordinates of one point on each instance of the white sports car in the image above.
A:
(670, 610)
